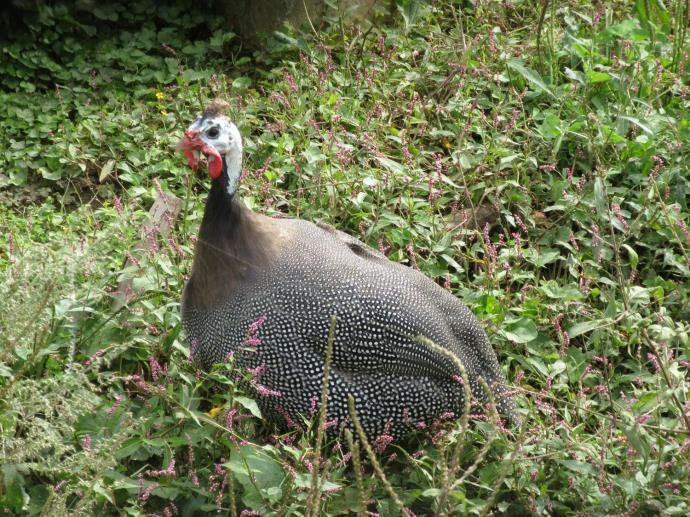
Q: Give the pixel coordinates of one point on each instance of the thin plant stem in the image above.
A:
(372, 457)
(357, 466)
(504, 473)
(315, 491)
(450, 470)
(667, 377)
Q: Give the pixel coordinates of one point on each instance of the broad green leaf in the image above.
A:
(627, 29)
(557, 367)
(265, 471)
(391, 165)
(249, 404)
(584, 327)
(638, 295)
(410, 10)
(579, 467)
(521, 331)
(551, 126)
(638, 439)
(594, 77)
(554, 290)
(638, 123)
(13, 491)
(542, 258)
(452, 262)
(575, 75)
(653, 11)
(106, 170)
(600, 198)
(531, 76)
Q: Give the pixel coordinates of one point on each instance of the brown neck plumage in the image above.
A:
(230, 249)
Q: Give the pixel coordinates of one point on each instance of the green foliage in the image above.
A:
(578, 147)
(97, 69)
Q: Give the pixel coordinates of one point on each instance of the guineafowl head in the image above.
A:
(219, 140)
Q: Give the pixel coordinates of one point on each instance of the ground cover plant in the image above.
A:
(532, 158)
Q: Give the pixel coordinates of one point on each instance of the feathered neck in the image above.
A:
(222, 207)
(230, 248)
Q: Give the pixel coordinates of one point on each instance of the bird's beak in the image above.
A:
(192, 145)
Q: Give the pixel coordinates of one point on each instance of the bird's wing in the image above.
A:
(355, 245)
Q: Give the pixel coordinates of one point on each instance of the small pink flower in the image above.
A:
(257, 372)
(115, 406)
(170, 471)
(95, 356)
(344, 461)
(519, 376)
(117, 203)
(193, 349)
(254, 327)
(652, 358)
(330, 423)
(616, 208)
(147, 492)
(657, 168)
(252, 342)
(381, 443)
(290, 80)
(229, 419)
(263, 391)
(156, 370)
(411, 254)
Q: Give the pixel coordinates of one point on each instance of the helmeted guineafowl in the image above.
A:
(265, 289)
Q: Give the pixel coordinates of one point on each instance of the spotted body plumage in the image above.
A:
(294, 275)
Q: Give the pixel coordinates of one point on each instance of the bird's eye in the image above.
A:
(213, 132)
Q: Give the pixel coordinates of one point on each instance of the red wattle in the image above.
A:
(213, 159)
(191, 159)
(191, 142)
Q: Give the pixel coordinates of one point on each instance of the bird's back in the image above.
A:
(381, 308)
